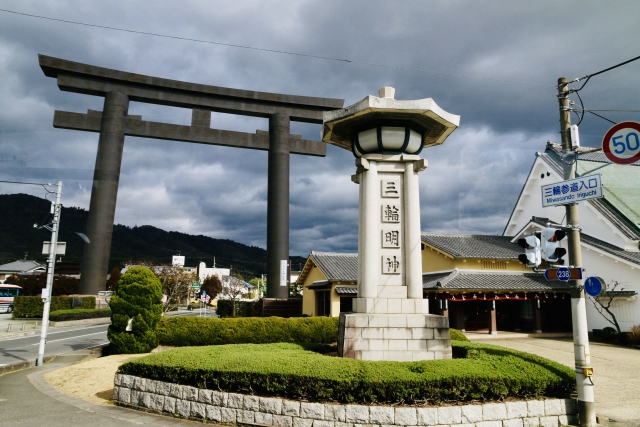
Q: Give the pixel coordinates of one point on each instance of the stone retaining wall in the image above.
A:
(194, 403)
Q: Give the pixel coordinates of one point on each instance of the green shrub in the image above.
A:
(33, 306)
(89, 302)
(198, 331)
(243, 308)
(79, 314)
(298, 371)
(137, 297)
(456, 335)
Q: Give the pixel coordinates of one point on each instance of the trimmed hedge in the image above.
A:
(456, 335)
(33, 306)
(138, 298)
(79, 314)
(198, 331)
(299, 371)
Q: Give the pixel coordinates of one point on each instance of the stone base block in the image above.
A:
(390, 305)
(399, 337)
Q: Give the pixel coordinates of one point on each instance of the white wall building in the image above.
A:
(610, 236)
(204, 272)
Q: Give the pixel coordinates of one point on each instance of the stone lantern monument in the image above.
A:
(390, 319)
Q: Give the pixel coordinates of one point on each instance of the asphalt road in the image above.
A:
(58, 342)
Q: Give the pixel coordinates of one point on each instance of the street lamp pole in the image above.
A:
(55, 227)
(584, 371)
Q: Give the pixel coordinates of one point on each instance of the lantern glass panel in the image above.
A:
(415, 141)
(392, 137)
(368, 140)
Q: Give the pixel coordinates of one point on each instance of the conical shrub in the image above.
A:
(138, 297)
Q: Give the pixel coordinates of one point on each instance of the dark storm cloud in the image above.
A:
(472, 181)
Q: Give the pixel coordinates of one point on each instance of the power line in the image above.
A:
(283, 52)
(588, 76)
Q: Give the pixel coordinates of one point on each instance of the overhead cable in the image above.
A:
(283, 52)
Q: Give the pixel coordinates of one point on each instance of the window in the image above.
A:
(494, 265)
(323, 303)
(346, 304)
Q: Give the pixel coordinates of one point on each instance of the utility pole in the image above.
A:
(55, 227)
(586, 401)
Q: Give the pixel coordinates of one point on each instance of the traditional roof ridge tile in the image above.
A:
(473, 245)
(336, 266)
(490, 281)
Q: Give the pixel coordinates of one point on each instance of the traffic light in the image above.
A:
(551, 250)
(532, 251)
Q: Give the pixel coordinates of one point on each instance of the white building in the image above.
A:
(204, 272)
(610, 236)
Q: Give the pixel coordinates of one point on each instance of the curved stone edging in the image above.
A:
(194, 403)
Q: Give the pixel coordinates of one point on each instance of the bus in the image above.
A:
(7, 294)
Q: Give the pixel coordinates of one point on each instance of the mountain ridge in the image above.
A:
(139, 243)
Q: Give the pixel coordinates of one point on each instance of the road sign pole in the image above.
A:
(586, 401)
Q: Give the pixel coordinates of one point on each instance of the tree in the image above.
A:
(259, 285)
(112, 281)
(604, 304)
(233, 290)
(212, 285)
(175, 282)
(136, 308)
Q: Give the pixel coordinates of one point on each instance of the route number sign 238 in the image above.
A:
(621, 143)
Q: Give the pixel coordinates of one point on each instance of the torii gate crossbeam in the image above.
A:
(113, 123)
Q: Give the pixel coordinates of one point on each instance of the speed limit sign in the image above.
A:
(621, 143)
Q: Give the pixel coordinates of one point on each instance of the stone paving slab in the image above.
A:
(616, 369)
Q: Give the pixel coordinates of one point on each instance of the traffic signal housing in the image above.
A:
(532, 256)
(550, 241)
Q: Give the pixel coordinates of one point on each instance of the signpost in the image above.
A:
(621, 143)
(594, 286)
(572, 190)
(563, 274)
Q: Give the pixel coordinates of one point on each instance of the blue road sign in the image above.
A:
(594, 286)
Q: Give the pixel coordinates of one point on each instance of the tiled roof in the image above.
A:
(20, 266)
(473, 245)
(489, 281)
(633, 257)
(337, 267)
(320, 284)
(351, 290)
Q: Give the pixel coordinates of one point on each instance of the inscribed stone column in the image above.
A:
(102, 207)
(278, 206)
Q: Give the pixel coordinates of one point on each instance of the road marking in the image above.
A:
(70, 338)
(38, 332)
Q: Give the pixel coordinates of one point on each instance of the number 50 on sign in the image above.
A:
(621, 144)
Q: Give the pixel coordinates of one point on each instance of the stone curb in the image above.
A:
(192, 403)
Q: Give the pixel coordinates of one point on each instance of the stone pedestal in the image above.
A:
(399, 337)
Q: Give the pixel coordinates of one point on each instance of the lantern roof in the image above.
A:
(436, 124)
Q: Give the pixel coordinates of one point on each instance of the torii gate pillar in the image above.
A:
(104, 192)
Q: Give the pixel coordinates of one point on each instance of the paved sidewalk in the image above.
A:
(26, 399)
(616, 373)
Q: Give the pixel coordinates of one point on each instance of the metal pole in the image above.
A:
(586, 405)
(102, 208)
(278, 204)
(57, 210)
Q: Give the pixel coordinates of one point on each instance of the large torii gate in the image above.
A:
(113, 123)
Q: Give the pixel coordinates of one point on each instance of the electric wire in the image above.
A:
(602, 117)
(588, 76)
(283, 52)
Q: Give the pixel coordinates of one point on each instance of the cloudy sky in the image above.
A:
(494, 63)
